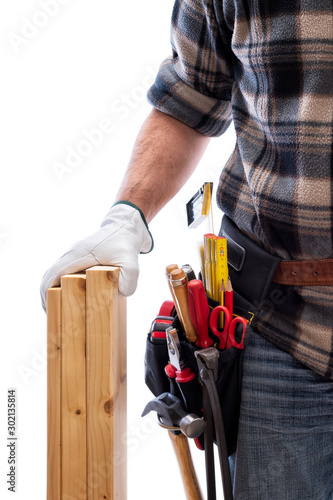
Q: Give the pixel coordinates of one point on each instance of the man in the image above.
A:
(268, 67)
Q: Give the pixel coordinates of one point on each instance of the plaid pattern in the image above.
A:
(266, 66)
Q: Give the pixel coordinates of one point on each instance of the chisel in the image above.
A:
(168, 270)
(179, 285)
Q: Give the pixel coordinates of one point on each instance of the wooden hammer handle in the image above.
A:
(184, 458)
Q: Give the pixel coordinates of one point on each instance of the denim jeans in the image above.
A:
(285, 440)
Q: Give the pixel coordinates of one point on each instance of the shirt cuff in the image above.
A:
(171, 95)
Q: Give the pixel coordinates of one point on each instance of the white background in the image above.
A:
(61, 75)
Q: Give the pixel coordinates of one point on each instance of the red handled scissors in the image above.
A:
(227, 335)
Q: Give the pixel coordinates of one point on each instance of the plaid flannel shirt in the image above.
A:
(266, 66)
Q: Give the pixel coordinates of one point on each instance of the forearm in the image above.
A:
(164, 156)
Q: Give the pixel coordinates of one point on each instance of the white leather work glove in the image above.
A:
(122, 236)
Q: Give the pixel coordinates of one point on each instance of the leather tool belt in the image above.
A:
(252, 262)
(304, 272)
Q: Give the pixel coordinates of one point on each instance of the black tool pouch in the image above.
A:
(228, 382)
(251, 269)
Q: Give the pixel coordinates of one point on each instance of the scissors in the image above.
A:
(227, 335)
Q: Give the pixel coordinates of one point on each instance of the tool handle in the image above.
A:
(180, 291)
(214, 319)
(182, 299)
(199, 312)
(231, 341)
(168, 271)
(188, 474)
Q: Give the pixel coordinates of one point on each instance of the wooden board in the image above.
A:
(106, 385)
(73, 388)
(54, 394)
(87, 410)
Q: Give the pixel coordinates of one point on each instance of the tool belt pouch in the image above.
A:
(228, 381)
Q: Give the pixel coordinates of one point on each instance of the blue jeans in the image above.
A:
(285, 440)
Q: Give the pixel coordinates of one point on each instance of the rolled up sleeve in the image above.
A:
(194, 85)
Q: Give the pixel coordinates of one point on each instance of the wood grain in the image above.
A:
(73, 388)
(186, 467)
(54, 394)
(106, 385)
